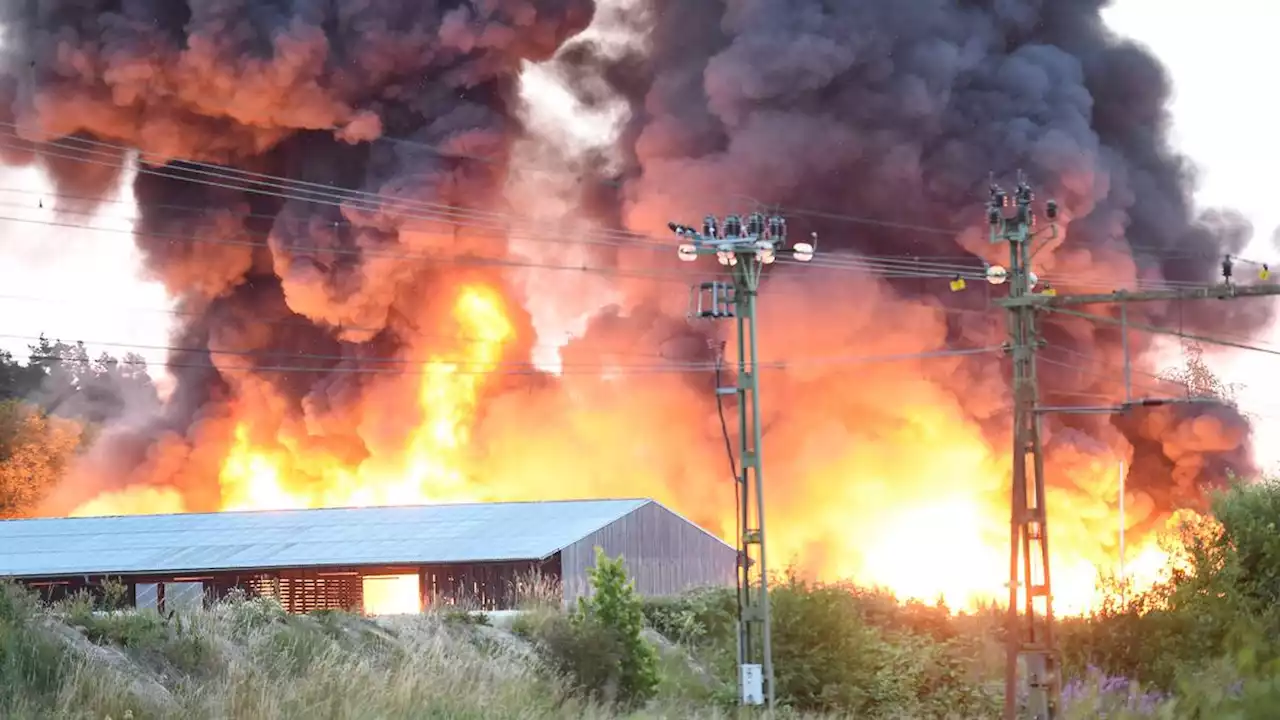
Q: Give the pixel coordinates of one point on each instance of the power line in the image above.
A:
(886, 269)
(904, 259)
(287, 188)
(1164, 331)
(112, 150)
(669, 366)
(435, 212)
(438, 212)
(457, 217)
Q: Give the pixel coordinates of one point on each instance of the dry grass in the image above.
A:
(247, 659)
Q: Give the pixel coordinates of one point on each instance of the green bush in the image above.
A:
(1223, 593)
(615, 610)
(599, 648)
(841, 649)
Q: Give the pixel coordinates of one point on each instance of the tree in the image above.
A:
(616, 608)
(17, 380)
(50, 408)
(63, 380)
(35, 451)
(1198, 381)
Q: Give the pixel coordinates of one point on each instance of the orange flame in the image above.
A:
(433, 468)
(929, 539)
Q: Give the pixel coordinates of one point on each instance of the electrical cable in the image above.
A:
(585, 237)
(832, 262)
(458, 366)
(905, 261)
(323, 194)
(737, 483)
(376, 201)
(1163, 331)
(879, 268)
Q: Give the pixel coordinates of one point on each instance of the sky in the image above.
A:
(77, 284)
(1224, 115)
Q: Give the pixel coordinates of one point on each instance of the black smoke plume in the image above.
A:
(896, 110)
(400, 99)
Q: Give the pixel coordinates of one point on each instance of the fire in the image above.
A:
(141, 500)
(433, 468)
(924, 512)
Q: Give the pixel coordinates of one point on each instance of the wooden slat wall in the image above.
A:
(663, 552)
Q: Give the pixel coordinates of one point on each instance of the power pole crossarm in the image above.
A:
(1215, 292)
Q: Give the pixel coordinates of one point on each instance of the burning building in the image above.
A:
(400, 278)
(379, 560)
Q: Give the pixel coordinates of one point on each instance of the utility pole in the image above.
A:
(1032, 659)
(1030, 646)
(744, 249)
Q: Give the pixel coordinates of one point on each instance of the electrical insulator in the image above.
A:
(755, 225)
(709, 227)
(993, 215)
(1226, 268)
(1051, 210)
(733, 226)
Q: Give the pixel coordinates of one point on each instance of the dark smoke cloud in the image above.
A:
(375, 96)
(898, 110)
(892, 109)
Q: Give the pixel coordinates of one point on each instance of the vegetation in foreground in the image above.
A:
(1200, 646)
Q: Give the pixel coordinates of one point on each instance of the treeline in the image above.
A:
(51, 406)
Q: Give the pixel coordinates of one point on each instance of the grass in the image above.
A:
(246, 658)
(840, 651)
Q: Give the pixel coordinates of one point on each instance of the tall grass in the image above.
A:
(1202, 646)
(248, 659)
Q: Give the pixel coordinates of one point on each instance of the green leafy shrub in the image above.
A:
(599, 648)
(614, 610)
(1223, 593)
(842, 649)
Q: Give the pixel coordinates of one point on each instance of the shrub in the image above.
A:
(614, 610)
(842, 649)
(599, 648)
(1222, 594)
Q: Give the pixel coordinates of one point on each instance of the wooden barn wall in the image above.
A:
(479, 586)
(663, 552)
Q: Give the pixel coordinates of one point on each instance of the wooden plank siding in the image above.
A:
(663, 552)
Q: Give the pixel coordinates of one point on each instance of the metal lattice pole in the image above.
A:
(1031, 660)
(1031, 652)
(744, 249)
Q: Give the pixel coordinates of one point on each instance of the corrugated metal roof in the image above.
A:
(423, 534)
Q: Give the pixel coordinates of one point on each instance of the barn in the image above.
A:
(380, 560)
